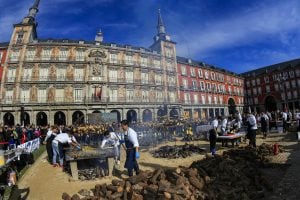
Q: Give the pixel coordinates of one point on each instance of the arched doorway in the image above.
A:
(25, 120)
(78, 117)
(160, 114)
(9, 119)
(131, 116)
(41, 119)
(231, 106)
(270, 104)
(147, 115)
(60, 118)
(118, 114)
(174, 114)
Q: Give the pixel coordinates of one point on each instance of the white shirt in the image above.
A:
(298, 115)
(266, 117)
(284, 116)
(48, 135)
(215, 123)
(224, 123)
(239, 117)
(132, 137)
(112, 140)
(62, 138)
(251, 119)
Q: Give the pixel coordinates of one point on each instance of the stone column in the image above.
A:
(140, 115)
(69, 117)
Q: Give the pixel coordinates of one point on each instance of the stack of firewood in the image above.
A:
(159, 184)
(235, 175)
(177, 151)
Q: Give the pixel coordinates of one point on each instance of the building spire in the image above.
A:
(161, 30)
(34, 9)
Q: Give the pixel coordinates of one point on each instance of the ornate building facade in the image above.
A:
(274, 87)
(62, 81)
(207, 91)
(3, 50)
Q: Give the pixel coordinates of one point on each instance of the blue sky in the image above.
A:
(237, 35)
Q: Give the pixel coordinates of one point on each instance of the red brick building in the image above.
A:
(206, 91)
(3, 50)
(273, 87)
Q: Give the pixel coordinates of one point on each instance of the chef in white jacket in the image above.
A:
(112, 139)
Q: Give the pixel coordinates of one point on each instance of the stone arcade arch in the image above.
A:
(174, 114)
(131, 116)
(147, 115)
(26, 119)
(9, 119)
(41, 119)
(118, 114)
(270, 103)
(78, 117)
(60, 118)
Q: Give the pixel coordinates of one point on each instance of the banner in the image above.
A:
(30, 146)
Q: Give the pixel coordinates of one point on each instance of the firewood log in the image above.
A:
(65, 196)
(152, 188)
(137, 188)
(117, 182)
(197, 183)
(138, 178)
(192, 172)
(127, 186)
(75, 197)
(155, 176)
(103, 189)
(167, 195)
(180, 180)
(115, 188)
(163, 185)
(97, 191)
(136, 196)
(117, 195)
(178, 170)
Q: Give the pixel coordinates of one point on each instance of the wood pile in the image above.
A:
(234, 176)
(91, 173)
(181, 151)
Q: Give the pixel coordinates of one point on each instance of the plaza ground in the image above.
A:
(43, 182)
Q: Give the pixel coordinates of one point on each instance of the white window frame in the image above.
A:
(129, 76)
(30, 54)
(42, 95)
(78, 95)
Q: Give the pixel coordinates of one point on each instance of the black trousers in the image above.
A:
(252, 137)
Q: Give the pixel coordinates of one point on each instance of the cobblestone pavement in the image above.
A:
(288, 187)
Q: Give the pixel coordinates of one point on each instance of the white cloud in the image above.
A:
(243, 28)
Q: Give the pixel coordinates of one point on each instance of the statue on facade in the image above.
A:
(70, 73)
(33, 95)
(52, 73)
(51, 94)
(69, 93)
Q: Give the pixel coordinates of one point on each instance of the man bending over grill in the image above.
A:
(57, 145)
(112, 139)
